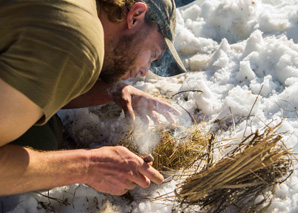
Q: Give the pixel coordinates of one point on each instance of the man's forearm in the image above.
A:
(23, 169)
(98, 95)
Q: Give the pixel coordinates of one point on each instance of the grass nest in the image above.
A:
(253, 168)
(177, 147)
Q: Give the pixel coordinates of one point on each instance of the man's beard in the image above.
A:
(120, 58)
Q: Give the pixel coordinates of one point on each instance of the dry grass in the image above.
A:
(129, 141)
(178, 147)
(253, 168)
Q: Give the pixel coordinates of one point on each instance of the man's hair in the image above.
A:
(117, 9)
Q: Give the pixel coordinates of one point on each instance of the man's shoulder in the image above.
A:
(50, 50)
(75, 20)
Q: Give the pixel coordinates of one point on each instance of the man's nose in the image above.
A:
(146, 66)
(143, 71)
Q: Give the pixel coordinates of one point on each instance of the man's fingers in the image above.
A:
(154, 116)
(126, 184)
(118, 191)
(169, 117)
(115, 186)
(151, 173)
(131, 186)
(147, 174)
(163, 107)
(167, 111)
(141, 180)
(129, 114)
(175, 111)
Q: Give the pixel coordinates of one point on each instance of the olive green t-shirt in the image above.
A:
(50, 50)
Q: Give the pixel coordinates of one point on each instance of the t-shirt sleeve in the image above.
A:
(51, 55)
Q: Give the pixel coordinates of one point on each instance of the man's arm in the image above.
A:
(17, 113)
(23, 169)
(99, 94)
(109, 169)
(113, 170)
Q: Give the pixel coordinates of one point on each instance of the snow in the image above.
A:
(243, 56)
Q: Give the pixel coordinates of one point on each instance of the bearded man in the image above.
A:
(69, 54)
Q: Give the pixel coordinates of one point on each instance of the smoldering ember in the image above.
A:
(234, 146)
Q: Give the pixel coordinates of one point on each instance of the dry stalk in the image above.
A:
(256, 166)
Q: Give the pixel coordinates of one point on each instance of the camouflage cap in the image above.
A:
(163, 13)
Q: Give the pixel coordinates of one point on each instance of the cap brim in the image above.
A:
(170, 64)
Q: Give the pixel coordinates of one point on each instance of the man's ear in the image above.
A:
(136, 15)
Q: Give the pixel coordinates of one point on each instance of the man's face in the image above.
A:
(132, 55)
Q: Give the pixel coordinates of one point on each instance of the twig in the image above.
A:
(64, 202)
(295, 108)
(192, 118)
(233, 120)
(191, 90)
(252, 109)
(74, 193)
(48, 198)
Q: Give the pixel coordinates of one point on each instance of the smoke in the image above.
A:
(166, 66)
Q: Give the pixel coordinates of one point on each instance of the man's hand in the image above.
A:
(136, 102)
(112, 170)
(131, 100)
(116, 170)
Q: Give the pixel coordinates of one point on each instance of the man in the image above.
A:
(72, 53)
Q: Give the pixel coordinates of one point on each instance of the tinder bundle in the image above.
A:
(253, 169)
